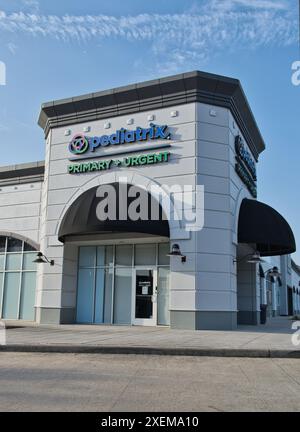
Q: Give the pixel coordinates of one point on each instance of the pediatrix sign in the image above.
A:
(82, 144)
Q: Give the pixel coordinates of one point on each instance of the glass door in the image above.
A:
(144, 298)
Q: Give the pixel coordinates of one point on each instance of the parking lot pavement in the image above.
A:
(98, 382)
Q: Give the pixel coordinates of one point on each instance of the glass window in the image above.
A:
(108, 295)
(122, 296)
(163, 308)
(14, 245)
(87, 256)
(1, 289)
(100, 256)
(2, 244)
(163, 250)
(104, 255)
(11, 296)
(109, 255)
(103, 295)
(85, 295)
(99, 295)
(124, 255)
(28, 296)
(17, 288)
(28, 248)
(2, 260)
(94, 298)
(13, 261)
(104, 292)
(28, 259)
(145, 254)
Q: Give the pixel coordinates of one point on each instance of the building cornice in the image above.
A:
(295, 267)
(151, 95)
(23, 173)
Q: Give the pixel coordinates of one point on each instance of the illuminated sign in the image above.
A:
(83, 145)
(245, 166)
(129, 161)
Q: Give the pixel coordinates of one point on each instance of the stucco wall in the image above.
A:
(20, 209)
(61, 189)
(202, 153)
(224, 191)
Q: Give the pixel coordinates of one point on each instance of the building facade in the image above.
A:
(294, 291)
(187, 142)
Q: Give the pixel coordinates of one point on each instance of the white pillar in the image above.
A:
(263, 291)
(274, 299)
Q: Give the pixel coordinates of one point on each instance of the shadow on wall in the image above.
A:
(246, 287)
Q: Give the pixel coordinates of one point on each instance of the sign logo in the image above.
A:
(245, 156)
(245, 166)
(144, 159)
(82, 144)
(79, 144)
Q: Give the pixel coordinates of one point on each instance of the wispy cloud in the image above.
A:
(32, 5)
(3, 128)
(12, 47)
(179, 38)
(251, 4)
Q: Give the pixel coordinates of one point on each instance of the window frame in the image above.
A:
(19, 270)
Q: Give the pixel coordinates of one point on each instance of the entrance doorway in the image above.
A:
(290, 301)
(144, 297)
(123, 284)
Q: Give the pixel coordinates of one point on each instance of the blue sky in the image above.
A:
(55, 49)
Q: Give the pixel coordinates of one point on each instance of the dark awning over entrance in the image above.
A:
(81, 218)
(261, 224)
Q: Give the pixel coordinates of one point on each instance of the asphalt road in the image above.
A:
(93, 382)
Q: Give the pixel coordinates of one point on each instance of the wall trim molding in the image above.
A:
(166, 92)
(18, 236)
(22, 173)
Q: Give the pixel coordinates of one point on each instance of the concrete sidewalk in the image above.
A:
(271, 340)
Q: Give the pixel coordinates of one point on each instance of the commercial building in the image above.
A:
(294, 291)
(186, 142)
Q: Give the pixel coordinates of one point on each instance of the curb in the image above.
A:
(137, 350)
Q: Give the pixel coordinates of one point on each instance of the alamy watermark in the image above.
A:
(296, 64)
(2, 73)
(296, 335)
(296, 73)
(178, 204)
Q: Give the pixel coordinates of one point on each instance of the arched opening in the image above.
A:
(262, 229)
(120, 251)
(17, 278)
(117, 202)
